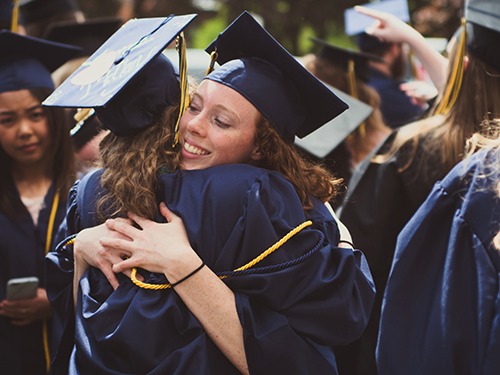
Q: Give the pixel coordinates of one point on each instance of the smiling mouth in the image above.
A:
(194, 150)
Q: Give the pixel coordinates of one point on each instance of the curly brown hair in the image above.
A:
(143, 156)
(309, 179)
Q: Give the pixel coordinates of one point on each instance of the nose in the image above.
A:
(194, 123)
(25, 130)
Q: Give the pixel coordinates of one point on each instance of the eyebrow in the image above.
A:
(32, 108)
(220, 107)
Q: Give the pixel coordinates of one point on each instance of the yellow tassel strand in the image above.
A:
(48, 240)
(14, 26)
(184, 104)
(269, 251)
(353, 90)
(452, 89)
(213, 59)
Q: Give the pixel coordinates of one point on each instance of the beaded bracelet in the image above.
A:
(189, 275)
(347, 242)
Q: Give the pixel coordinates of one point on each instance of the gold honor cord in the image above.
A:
(353, 90)
(181, 49)
(452, 89)
(250, 264)
(14, 26)
(48, 240)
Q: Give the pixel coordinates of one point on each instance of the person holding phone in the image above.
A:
(37, 164)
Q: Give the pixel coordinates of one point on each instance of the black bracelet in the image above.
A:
(347, 242)
(188, 276)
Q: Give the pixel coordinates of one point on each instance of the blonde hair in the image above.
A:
(446, 135)
(132, 165)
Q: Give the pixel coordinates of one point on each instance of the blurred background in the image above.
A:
(291, 22)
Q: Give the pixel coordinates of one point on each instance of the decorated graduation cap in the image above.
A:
(255, 65)
(88, 35)
(347, 59)
(324, 140)
(127, 80)
(483, 30)
(26, 62)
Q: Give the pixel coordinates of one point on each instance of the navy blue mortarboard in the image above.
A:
(483, 30)
(88, 35)
(26, 62)
(255, 65)
(325, 139)
(127, 80)
(343, 57)
(35, 10)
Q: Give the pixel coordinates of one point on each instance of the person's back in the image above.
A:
(420, 154)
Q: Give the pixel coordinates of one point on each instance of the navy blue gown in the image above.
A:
(294, 306)
(22, 252)
(441, 309)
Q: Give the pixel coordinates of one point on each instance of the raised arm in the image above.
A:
(389, 28)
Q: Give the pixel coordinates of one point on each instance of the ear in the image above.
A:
(256, 155)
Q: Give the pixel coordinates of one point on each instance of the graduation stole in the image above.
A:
(48, 240)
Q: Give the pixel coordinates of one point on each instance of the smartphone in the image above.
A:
(22, 288)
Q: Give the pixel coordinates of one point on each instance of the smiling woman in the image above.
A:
(209, 290)
(36, 159)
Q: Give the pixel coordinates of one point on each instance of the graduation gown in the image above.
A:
(380, 200)
(441, 310)
(22, 252)
(293, 306)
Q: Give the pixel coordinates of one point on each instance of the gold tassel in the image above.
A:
(15, 16)
(213, 59)
(184, 104)
(454, 84)
(353, 90)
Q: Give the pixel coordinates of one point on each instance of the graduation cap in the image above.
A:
(356, 23)
(483, 30)
(326, 139)
(88, 35)
(36, 10)
(347, 59)
(127, 80)
(255, 65)
(26, 62)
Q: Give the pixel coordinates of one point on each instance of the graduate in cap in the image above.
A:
(386, 76)
(440, 313)
(39, 14)
(222, 303)
(37, 166)
(348, 71)
(387, 190)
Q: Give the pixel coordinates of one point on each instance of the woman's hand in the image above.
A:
(26, 311)
(156, 247)
(89, 252)
(388, 27)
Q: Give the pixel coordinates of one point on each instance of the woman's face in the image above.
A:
(218, 128)
(24, 129)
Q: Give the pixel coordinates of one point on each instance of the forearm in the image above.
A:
(213, 304)
(434, 63)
